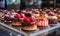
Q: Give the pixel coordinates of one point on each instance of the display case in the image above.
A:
(14, 31)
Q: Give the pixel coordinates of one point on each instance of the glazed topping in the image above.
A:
(29, 19)
(22, 15)
(32, 19)
(51, 14)
(17, 16)
(36, 12)
(26, 19)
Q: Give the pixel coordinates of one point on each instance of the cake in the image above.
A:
(15, 19)
(52, 18)
(36, 14)
(28, 23)
(42, 21)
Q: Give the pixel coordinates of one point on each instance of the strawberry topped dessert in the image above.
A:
(52, 18)
(42, 21)
(17, 16)
(29, 23)
(16, 19)
(36, 14)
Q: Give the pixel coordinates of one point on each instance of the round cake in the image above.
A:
(15, 19)
(36, 14)
(28, 23)
(52, 18)
(43, 22)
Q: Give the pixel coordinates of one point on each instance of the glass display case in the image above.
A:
(14, 31)
(7, 19)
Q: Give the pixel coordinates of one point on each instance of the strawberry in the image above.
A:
(32, 19)
(51, 14)
(17, 16)
(41, 19)
(26, 20)
(22, 15)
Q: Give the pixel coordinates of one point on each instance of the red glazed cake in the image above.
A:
(28, 23)
(15, 19)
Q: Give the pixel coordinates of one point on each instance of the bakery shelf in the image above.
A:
(53, 26)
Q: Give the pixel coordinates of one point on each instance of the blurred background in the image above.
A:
(15, 4)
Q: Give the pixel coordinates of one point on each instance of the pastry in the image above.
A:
(52, 18)
(43, 22)
(29, 23)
